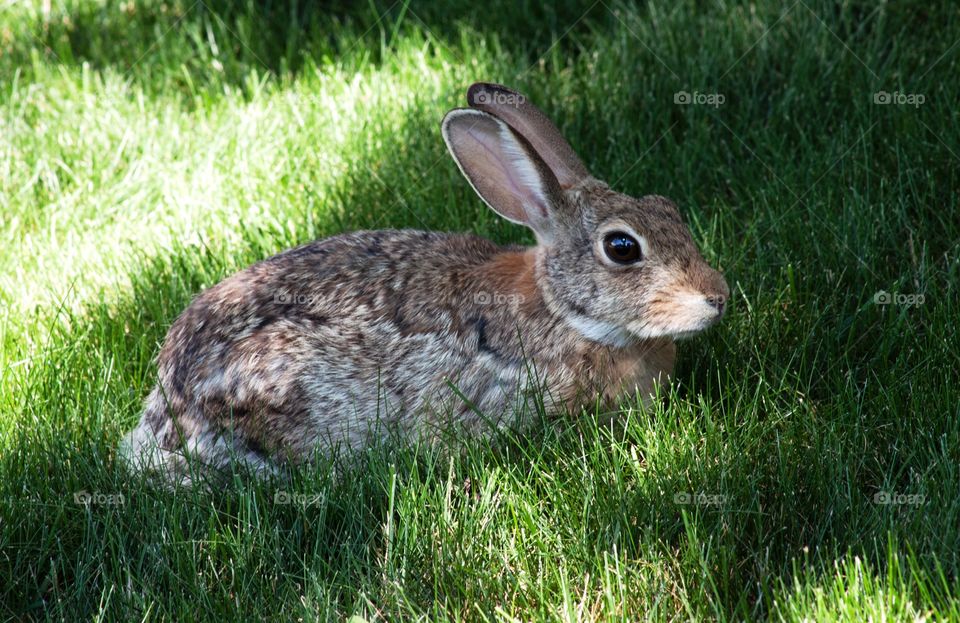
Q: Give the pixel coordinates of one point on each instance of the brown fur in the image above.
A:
(344, 340)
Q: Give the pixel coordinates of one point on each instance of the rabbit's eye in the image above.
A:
(621, 248)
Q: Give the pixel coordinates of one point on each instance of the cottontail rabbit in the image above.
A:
(353, 336)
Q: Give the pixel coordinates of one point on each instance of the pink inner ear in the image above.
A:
(495, 155)
(507, 174)
(519, 177)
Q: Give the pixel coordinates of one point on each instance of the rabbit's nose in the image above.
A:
(717, 301)
(715, 290)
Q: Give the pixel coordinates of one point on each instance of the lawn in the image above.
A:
(805, 463)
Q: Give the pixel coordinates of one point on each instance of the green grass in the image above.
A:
(148, 149)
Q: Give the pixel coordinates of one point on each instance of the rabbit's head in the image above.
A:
(616, 267)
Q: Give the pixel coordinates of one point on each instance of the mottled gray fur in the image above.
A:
(376, 332)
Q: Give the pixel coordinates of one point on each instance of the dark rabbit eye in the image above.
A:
(621, 248)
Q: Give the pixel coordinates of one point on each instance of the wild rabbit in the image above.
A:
(343, 339)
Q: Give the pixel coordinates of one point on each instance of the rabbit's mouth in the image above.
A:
(680, 317)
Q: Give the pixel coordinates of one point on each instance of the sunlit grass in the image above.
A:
(122, 178)
(148, 149)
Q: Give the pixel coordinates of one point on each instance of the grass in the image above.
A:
(806, 464)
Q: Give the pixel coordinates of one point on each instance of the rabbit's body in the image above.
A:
(375, 332)
(300, 357)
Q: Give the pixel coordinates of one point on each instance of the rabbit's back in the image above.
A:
(326, 343)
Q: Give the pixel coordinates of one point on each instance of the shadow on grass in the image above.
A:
(194, 45)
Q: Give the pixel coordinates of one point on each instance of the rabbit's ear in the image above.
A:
(532, 125)
(503, 169)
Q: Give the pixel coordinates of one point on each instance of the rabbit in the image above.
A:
(341, 341)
